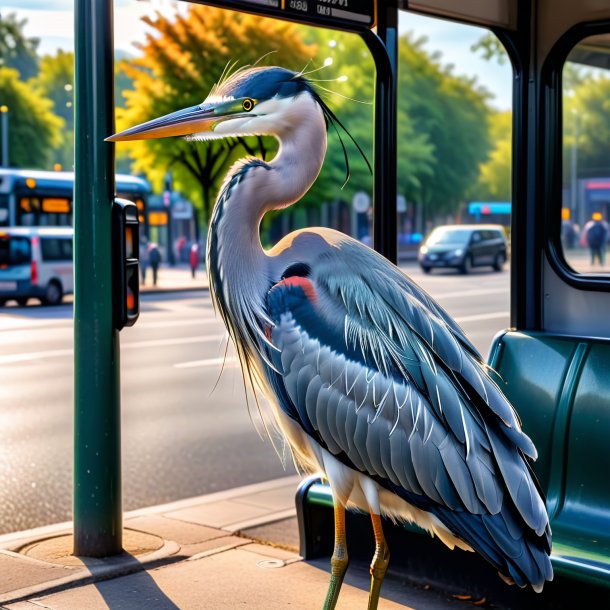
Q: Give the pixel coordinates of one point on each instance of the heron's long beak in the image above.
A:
(195, 119)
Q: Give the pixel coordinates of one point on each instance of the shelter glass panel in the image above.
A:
(585, 201)
(454, 169)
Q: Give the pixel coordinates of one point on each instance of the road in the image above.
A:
(186, 428)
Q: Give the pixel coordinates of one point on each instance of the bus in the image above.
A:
(34, 198)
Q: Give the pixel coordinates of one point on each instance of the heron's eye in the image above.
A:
(248, 104)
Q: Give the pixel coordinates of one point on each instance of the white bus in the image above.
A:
(36, 262)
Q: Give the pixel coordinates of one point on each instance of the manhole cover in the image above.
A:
(58, 549)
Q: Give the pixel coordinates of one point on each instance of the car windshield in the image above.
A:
(14, 250)
(443, 236)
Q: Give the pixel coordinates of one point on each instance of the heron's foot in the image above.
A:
(338, 567)
(379, 565)
(339, 560)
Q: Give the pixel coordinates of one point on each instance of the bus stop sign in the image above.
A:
(354, 15)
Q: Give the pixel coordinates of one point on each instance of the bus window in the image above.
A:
(14, 251)
(585, 200)
(45, 212)
(56, 249)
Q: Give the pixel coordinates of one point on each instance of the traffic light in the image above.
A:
(125, 262)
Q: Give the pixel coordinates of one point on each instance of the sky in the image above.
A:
(52, 21)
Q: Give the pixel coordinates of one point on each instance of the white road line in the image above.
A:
(144, 324)
(57, 353)
(208, 362)
(482, 316)
(463, 294)
(166, 342)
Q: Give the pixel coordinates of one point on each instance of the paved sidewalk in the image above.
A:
(192, 554)
(175, 278)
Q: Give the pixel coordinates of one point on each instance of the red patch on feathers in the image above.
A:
(303, 283)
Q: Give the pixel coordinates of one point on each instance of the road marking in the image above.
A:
(144, 324)
(207, 362)
(166, 342)
(463, 294)
(58, 353)
(482, 316)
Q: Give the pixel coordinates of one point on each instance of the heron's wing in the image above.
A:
(376, 372)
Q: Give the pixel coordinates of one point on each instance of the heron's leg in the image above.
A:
(380, 562)
(339, 560)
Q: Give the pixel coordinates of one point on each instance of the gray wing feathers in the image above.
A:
(400, 321)
(421, 411)
(385, 427)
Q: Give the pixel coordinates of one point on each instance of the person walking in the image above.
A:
(194, 258)
(597, 236)
(154, 257)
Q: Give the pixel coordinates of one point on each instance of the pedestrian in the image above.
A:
(144, 261)
(194, 258)
(154, 257)
(597, 235)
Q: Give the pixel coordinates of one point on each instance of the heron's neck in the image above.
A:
(240, 271)
(254, 187)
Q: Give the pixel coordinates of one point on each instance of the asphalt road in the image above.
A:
(186, 428)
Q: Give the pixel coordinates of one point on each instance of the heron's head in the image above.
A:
(251, 101)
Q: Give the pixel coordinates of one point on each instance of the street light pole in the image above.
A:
(4, 113)
(574, 164)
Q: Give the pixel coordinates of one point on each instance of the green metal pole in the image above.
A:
(97, 440)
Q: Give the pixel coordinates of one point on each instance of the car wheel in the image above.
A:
(499, 261)
(466, 266)
(22, 301)
(425, 268)
(53, 294)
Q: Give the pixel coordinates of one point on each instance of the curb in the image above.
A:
(13, 540)
(121, 565)
(111, 567)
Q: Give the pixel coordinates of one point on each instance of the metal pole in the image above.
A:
(4, 112)
(97, 460)
(385, 237)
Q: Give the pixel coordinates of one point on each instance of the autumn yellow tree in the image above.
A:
(181, 60)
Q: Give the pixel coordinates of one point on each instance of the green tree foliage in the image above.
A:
(587, 127)
(33, 128)
(181, 60)
(442, 129)
(17, 51)
(55, 81)
(491, 48)
(449, 114)
(495, 175)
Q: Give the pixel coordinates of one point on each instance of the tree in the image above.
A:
(55, 81)
(449, 113)
(496, 171)
(181, 60)
(442, 128)
(354, 70)
(33, 128)
(17, 51)
(586, 126)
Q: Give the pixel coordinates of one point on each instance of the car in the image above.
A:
(36, 262)
(463, 247)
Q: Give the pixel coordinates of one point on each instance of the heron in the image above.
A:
(367, 378)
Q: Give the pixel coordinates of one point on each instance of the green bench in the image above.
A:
(561, 388)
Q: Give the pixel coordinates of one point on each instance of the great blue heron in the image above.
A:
(369, 380)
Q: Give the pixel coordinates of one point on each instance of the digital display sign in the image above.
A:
(342, 14)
